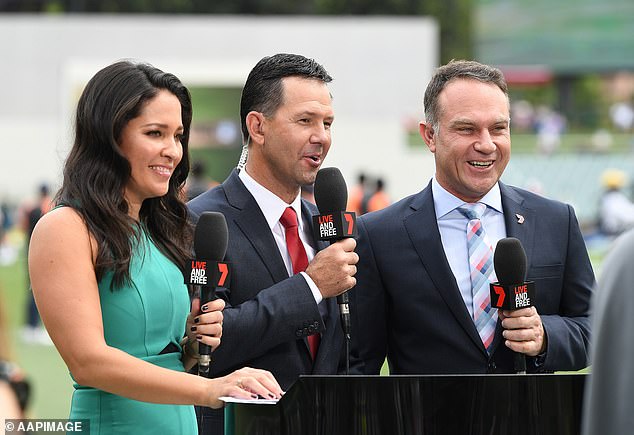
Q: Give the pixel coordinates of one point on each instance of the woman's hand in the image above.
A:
(245, 383)
(204, 324)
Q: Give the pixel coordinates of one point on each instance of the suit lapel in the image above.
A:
(308, 211)
(252, 223)
(422, 227)
(519, 220)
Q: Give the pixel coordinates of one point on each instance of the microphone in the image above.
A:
(208, 270)
(511, 292)
(334, 223)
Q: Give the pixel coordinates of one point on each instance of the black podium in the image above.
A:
(546, 404)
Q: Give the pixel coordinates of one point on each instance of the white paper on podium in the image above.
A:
(227, 399)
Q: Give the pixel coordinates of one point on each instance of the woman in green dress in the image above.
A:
(106, 263)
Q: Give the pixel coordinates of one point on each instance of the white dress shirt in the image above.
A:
(453, 232)
(272, 208)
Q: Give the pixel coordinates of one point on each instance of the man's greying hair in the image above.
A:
(458, 69)
(263, 90)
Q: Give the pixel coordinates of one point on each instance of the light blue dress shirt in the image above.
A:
(453, 232)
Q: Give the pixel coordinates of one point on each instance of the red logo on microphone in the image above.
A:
(350, 218)
(224, 272)
(500, 292)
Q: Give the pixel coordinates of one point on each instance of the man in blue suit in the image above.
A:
(415, 301)
(281, 312)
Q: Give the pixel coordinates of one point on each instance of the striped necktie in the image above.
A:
(482, 273)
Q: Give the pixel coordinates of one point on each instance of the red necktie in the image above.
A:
(299, 260)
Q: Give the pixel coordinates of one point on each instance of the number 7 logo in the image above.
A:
(500, 292)
(224, 271)
(350, 220)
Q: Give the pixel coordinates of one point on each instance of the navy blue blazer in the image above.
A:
(268, 314)
(407, 306)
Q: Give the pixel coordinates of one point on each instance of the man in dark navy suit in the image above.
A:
(425, 262)
(281, 312)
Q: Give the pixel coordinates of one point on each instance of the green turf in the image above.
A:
(50, 381)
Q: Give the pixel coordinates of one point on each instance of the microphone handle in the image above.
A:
(207, 294)
(343, 298)
(344, 315)
(344, 311)
(520, 363)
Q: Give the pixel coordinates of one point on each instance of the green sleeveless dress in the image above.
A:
(141, 319)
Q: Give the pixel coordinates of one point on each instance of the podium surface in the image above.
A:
(490, 404)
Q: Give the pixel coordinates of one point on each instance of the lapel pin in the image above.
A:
(520, 218)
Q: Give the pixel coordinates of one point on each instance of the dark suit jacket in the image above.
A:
(268, 315)
(407, 305)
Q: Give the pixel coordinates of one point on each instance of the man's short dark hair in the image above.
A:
(263, 91)
(458, 69)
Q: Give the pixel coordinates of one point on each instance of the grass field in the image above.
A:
(50, 381)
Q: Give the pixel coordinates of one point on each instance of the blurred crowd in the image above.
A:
(367, 195)
(549, 125)
(616, 210)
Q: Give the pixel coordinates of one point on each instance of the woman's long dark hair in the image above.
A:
(96, 172)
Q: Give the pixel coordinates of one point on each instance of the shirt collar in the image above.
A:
(445, 202)
(271, 205)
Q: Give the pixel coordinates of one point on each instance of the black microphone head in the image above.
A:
(331, 192)
(509, 261)
(211, 236)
